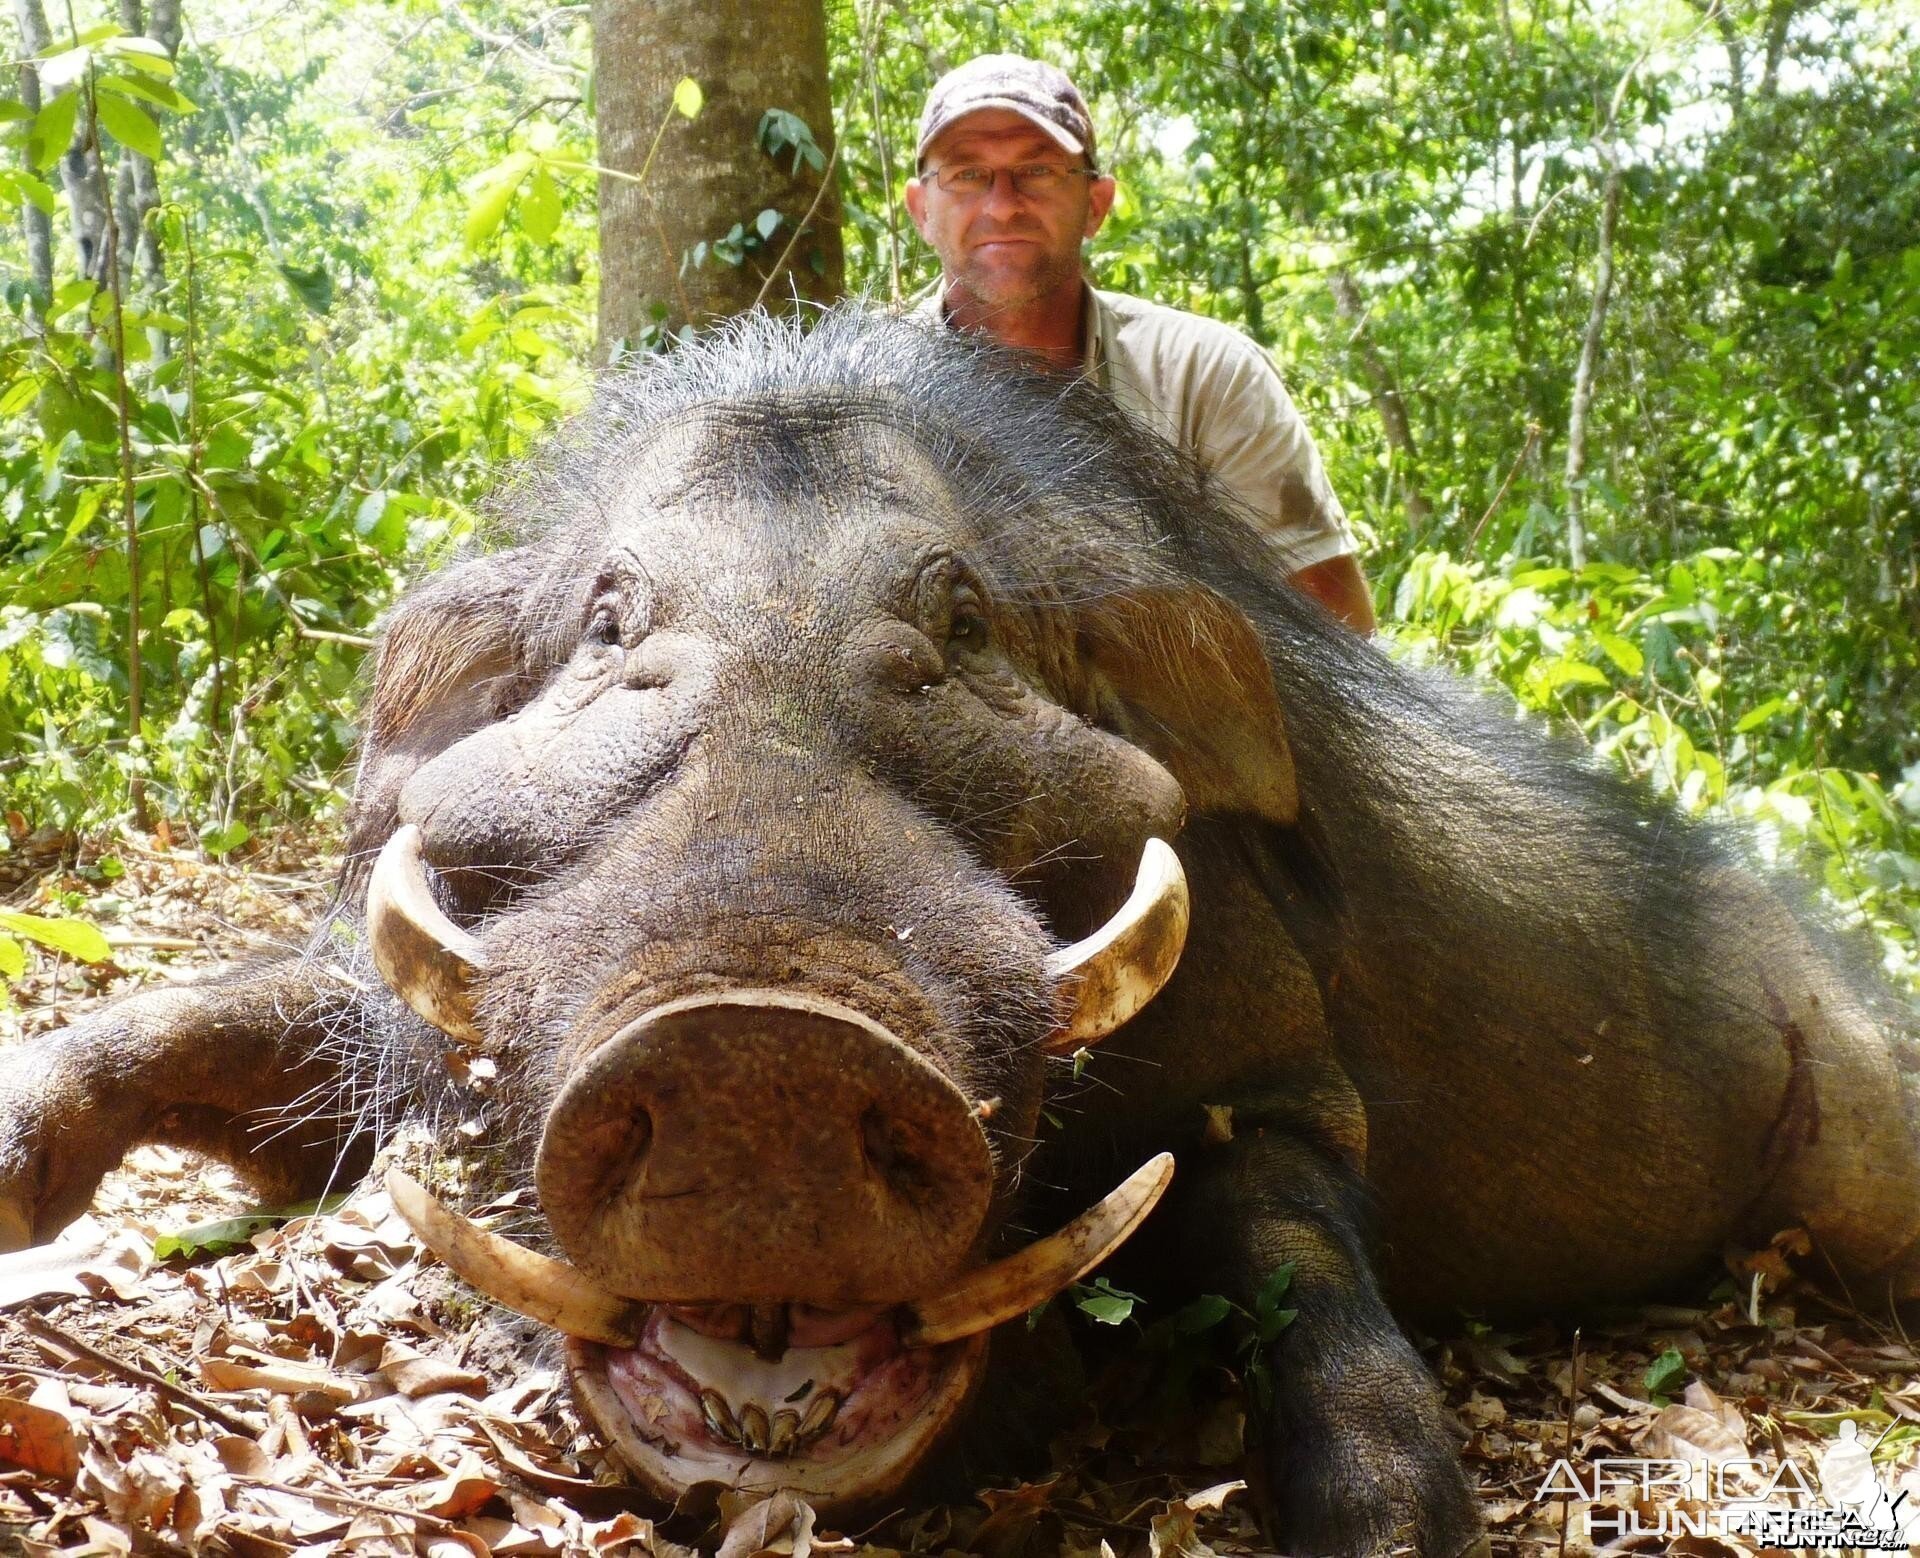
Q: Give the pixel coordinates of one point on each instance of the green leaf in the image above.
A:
(372, 509)
(100, 32)
(156, 92)
(20, 394)
(1271, 1325)
(73, 636)
(1103, 1301)
(1203, 1314)
(217, 839)
(1560, 673)
(688, 98)
(1753, 719)
(232, 1233)
(141, 54)
(766, 222)
(540, 206)
(130, 125)
(492, 191)
(1665, 1373)
(780, 131)
(36, 190)
(1623, 652)
(13, 958)
(312, 285)
(1274, 1288)
(52, 130)
(1270, 1319)
(74, 938)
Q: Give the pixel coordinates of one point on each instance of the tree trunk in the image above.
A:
(35, 225)
(1722, 17)
(712, 172)
(1386, 397)
(1589, 363)
(79, 167)
(137, 190)
(1780, 15)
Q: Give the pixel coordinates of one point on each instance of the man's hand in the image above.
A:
(1340, 586)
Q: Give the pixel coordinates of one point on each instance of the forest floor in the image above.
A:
(176, 1378)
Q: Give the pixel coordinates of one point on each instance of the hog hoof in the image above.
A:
(1342, 1504)
(1363, 1462)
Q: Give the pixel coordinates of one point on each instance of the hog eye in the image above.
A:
(967, 629)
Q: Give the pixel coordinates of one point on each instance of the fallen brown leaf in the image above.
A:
(43, 1438)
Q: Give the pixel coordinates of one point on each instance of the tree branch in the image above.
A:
(1589, 363)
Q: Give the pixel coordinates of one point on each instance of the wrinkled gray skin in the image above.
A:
(865, 665)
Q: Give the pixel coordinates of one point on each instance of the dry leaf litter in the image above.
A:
(322, 1388)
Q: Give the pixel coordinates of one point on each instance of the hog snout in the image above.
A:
(763, 1146)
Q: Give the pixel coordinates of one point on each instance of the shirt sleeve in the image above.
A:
(1248, 433)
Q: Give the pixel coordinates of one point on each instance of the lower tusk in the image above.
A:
(1009, 1288)
(1109, 976)
(524, 1281)
(426, 960)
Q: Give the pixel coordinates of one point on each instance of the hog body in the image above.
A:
(822, 686)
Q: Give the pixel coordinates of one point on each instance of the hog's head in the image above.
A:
(768, 811)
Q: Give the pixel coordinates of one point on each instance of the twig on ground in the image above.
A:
(179, 1395)
(350, 1500)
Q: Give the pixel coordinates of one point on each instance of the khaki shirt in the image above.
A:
(1207, 388)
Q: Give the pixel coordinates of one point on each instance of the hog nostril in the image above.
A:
(891, 1154)
(615, 1151)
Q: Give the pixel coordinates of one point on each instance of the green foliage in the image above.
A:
(1672, 675)
(1214, 1331)
(319, 387)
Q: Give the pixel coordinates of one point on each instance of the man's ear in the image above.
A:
(1100, 193)
(917, 204)
(1181, 673)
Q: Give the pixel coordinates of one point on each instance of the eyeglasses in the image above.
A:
(1031, 180)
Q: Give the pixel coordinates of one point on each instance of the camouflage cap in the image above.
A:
(1030, 88)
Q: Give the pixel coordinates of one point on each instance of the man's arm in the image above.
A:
(1247, 431)
(1340, 586)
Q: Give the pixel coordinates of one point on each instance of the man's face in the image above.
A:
(1006, 249)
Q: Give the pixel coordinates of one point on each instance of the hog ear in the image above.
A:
(448, 657)
(1181, 673)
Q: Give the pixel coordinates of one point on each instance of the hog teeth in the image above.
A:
(783, 1434)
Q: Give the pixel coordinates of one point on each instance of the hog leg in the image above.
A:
(1358, 1451)
(238, 1069)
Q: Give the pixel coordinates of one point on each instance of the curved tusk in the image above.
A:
(426, 960)
(1009, 1288)
(523, 1280)
(1110, 975)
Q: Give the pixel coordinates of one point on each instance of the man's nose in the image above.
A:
(1004, 198)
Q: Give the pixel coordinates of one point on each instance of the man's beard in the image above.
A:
(1002, 290)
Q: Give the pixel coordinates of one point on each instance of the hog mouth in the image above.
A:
(842, 1424)
(839, 1405)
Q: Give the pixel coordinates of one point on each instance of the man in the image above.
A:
(1008, 190)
